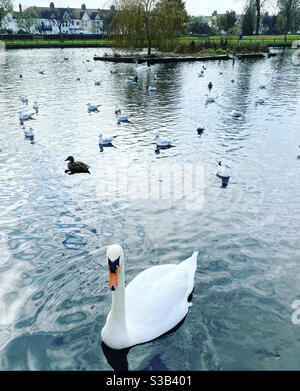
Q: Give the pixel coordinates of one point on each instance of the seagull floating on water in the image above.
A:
(25, 117)
(223, 172)
(107, 140)
(117, 110)
(162, 143)
(42, 72)
(259, 101)
(150, 88)
(210, 100)
(29, 133)
(35, 107)
(98, 82)
(261, 86)
(24, 99)
(93, 107)
(123, 118)
(131, 79)
(236, 114)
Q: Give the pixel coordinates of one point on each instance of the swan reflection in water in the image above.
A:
(117, 359)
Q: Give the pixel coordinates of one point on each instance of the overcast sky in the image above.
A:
(194, 7)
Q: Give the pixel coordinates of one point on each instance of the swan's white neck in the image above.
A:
(115, 330)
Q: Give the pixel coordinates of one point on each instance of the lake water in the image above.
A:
(55, 228)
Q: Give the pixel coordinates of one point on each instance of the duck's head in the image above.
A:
(115, 259)
(70, 158)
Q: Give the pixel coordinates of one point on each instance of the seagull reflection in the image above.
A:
(157, 150)
(102, 146)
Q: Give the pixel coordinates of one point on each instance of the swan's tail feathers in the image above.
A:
(191, 262)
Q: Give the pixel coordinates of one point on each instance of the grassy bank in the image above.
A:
(270, 40)
(183, 45)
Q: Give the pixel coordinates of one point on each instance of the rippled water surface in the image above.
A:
(55, 228)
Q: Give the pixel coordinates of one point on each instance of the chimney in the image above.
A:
(52, 6)
(20, 8)
(83, 7)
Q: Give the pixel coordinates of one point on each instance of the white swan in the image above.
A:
(106, 140)
(162, 143)
(154, 302)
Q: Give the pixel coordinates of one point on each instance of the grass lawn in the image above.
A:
(266, 39)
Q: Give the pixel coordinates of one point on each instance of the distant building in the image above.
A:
(50, 20)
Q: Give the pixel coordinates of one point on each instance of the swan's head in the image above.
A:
(114, 257)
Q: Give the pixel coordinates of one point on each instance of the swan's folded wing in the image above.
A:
(156, 301)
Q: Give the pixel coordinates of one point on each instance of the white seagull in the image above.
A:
(25, 117)
(35, 107)
(123, 118)
(150, 88)
(162, 143)
(259, 101)
(223, 171)
(106, 140)
(210, 100)
(24, 99)
(28, 132)
(117, 110)
(236, 114)
(93, 107)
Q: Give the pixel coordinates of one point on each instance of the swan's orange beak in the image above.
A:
(113, 279)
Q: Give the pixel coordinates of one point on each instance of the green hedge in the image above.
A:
(54, 37)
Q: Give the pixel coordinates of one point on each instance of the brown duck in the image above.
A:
(76, 167)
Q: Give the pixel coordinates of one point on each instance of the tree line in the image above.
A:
(159, 22)
(254, 20)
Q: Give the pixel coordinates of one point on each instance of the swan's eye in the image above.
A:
(113, 265)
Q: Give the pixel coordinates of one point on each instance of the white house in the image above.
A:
(50, 20)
